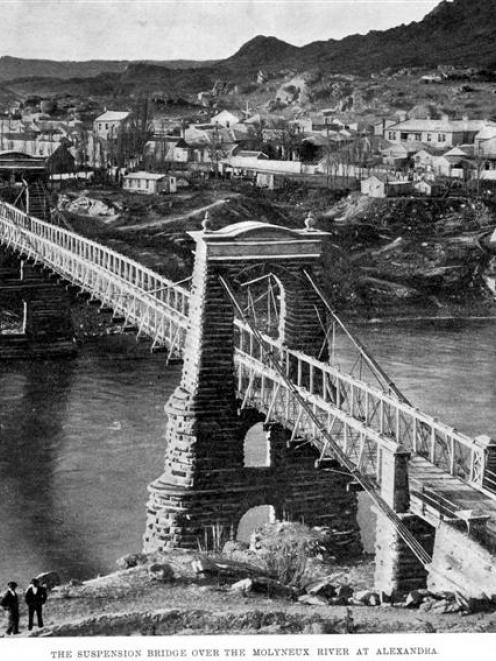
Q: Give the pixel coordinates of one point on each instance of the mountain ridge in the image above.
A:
(461, 33)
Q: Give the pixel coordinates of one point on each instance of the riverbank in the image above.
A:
(131, 602)
(383, 259)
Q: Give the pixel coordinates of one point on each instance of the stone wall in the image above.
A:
(397, 569)
(459, 562)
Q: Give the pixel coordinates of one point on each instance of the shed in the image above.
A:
(149, 183)
(381, 186)
(61, 160)
(429, 188)
(269, 180)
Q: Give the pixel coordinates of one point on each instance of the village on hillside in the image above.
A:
(420, 151)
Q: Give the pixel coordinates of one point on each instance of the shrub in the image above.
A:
(286, 548)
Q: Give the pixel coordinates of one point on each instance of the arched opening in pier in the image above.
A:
(256, 447)
(253, 519)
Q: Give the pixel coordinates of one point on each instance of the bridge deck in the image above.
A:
(361, 418)
(436, 495)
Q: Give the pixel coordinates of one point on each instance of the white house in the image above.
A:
(437, 132)
(423, 159)
(168, 149)
(485, 142)
(149, 183)
(382, 186)
(225, 118)
(110, 123)
(429, 188)
(268, 180)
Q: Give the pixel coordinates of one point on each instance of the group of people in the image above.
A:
(35, 597)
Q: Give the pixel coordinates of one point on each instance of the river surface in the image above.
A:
(80, 439)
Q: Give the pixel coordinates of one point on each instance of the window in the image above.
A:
(441, 137)
(392, 135)
(404, 136)
(417, 136)
(429, 137)
(106, 126)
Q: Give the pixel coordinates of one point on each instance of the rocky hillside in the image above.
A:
(459, 33)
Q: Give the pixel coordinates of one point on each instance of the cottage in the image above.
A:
(61, 161)
(268, 180)
(397, 155)
(225, 119)
(381, 186)
(149, 183)
(167, 149)
(429, 188)
(454, 163)
(110, 123)
(423, 159)
(485, 142)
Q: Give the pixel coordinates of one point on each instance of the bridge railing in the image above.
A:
(362, 417)
(153, 303)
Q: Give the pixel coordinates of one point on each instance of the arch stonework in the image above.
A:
(204, 481)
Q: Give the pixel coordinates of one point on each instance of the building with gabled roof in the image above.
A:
(225, 118)
(110, 123)
(149, 183)
(382, 185)
(443, 132)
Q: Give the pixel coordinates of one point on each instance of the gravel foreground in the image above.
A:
(133, 602)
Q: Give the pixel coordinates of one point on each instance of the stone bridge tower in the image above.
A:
(205, 481)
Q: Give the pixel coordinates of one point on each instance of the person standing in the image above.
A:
(35, 598)
(10, 602)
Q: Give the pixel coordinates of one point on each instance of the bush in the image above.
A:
(286, 548)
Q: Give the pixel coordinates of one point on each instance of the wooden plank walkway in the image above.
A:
(436, 496)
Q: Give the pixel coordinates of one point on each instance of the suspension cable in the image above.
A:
(402, 530)
(373, 364)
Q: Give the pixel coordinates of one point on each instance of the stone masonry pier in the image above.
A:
(205, 482)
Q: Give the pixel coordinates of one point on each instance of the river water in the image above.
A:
(80, 439)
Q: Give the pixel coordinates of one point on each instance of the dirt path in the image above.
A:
(163, 222)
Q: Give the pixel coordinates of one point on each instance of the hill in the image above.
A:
(16, 67)
(12, 68)
(262, 51)
(460, 33)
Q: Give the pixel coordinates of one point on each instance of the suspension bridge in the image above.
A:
(344, 416)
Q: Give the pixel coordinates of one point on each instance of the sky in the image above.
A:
(185, 29)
